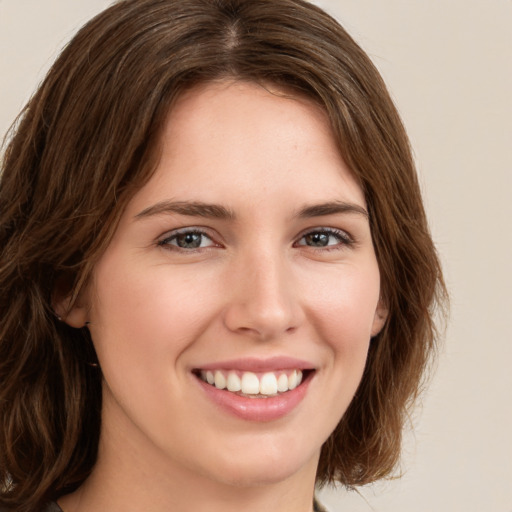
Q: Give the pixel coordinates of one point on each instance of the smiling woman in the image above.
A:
(216, 271)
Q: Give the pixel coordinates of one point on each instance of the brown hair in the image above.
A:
(87, 140)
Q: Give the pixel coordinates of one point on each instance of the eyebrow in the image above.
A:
(331, 208)
(215, 211)
(190, 208)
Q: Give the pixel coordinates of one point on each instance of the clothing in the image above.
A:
(52, 507)
(317, 506)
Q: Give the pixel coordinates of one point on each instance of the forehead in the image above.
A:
(249, 142)
(225, 104)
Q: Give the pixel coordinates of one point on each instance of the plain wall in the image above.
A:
(448, 64)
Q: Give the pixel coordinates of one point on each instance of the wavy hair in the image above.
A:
(88, 140)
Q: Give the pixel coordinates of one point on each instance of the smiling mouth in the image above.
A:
(254, 385)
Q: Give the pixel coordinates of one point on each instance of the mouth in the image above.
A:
(256, 389)
(254, 384)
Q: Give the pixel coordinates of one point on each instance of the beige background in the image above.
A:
(448, 64)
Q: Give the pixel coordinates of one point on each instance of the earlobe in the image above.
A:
(75, 315)
(380, 317)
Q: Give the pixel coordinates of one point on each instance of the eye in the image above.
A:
(188, 240)
(325, 238)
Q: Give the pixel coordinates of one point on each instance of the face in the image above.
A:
(233, 310)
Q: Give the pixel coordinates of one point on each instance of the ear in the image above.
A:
(69, 309)
(380, 317)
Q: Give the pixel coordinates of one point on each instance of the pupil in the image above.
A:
(189, 240)
(318, 239)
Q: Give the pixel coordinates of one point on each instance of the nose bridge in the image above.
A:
(264, 300)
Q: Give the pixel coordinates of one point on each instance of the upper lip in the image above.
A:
(254, 364)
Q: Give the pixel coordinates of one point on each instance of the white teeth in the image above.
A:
(268, 384)
(292, 380)
(233, 382)
(282, 383)
(250, 383)
(220, 380)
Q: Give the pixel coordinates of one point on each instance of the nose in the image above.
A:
(263, 300)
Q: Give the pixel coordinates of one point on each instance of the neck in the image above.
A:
(131, 474)
(106, 490)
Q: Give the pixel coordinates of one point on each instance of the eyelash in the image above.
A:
(343, 238)
(166, 242)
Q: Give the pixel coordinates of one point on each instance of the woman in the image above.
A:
(217, 279)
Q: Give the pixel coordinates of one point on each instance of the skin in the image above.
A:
(256, 287)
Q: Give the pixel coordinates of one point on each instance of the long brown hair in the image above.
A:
(87, 140)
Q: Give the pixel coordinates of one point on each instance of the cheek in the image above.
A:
(147, 313)
(343, 307)
(342, 310)
(140, 331)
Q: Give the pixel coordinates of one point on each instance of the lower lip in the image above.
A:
(257, 409)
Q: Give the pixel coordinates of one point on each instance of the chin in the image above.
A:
(258, 477)
(265, 466)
